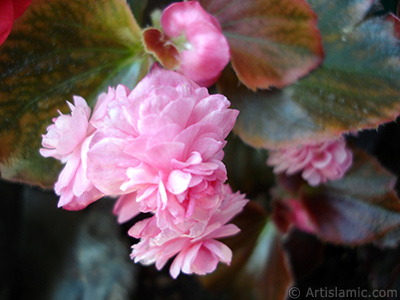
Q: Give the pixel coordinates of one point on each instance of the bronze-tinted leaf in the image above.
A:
(57, 49)
(272, 42)
(357, 209)
(268, 267)
(267, 119)
(357, 86)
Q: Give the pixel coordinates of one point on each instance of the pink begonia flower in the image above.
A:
(68, 140)
(10, 10)
(204, 50)
(196, 252)
(126, 207)
(163, 142)
(318, 162)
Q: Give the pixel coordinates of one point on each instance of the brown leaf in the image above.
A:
(273, 42)
(359, 208)
(357, 86)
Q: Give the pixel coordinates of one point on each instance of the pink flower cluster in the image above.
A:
(160, 148)
(204, 50)
(317, 161)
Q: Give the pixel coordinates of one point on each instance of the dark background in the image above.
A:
(49, 253)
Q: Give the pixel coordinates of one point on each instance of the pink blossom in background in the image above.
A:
(204, 50)
(10, 10)
(288, 212)
(163, 142)
(68, 140)
(196, 251)
(317, 161)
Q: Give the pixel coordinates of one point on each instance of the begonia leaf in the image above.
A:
(398, 8)
(247, 168)
(357, 86)
(305, 252)
(159, 45)
(138, 8)
(267, 271)
(272, 43)
(360, 208)
(57, 49)
(383, 269)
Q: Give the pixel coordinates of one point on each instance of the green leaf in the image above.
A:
(268, 267)
(357, 86)
(305, 252)
(138, 8)
(247, 168)
(360, 208)
(272, 43)
(57, 49)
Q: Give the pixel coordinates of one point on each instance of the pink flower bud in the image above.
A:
(204, 50)
(317, 161)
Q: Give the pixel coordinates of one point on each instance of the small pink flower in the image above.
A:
(197, 251)
(163, 142)
(318, 162)
(204, 50)
(68, 140)
(10, 10)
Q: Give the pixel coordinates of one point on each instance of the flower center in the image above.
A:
(182, 44)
